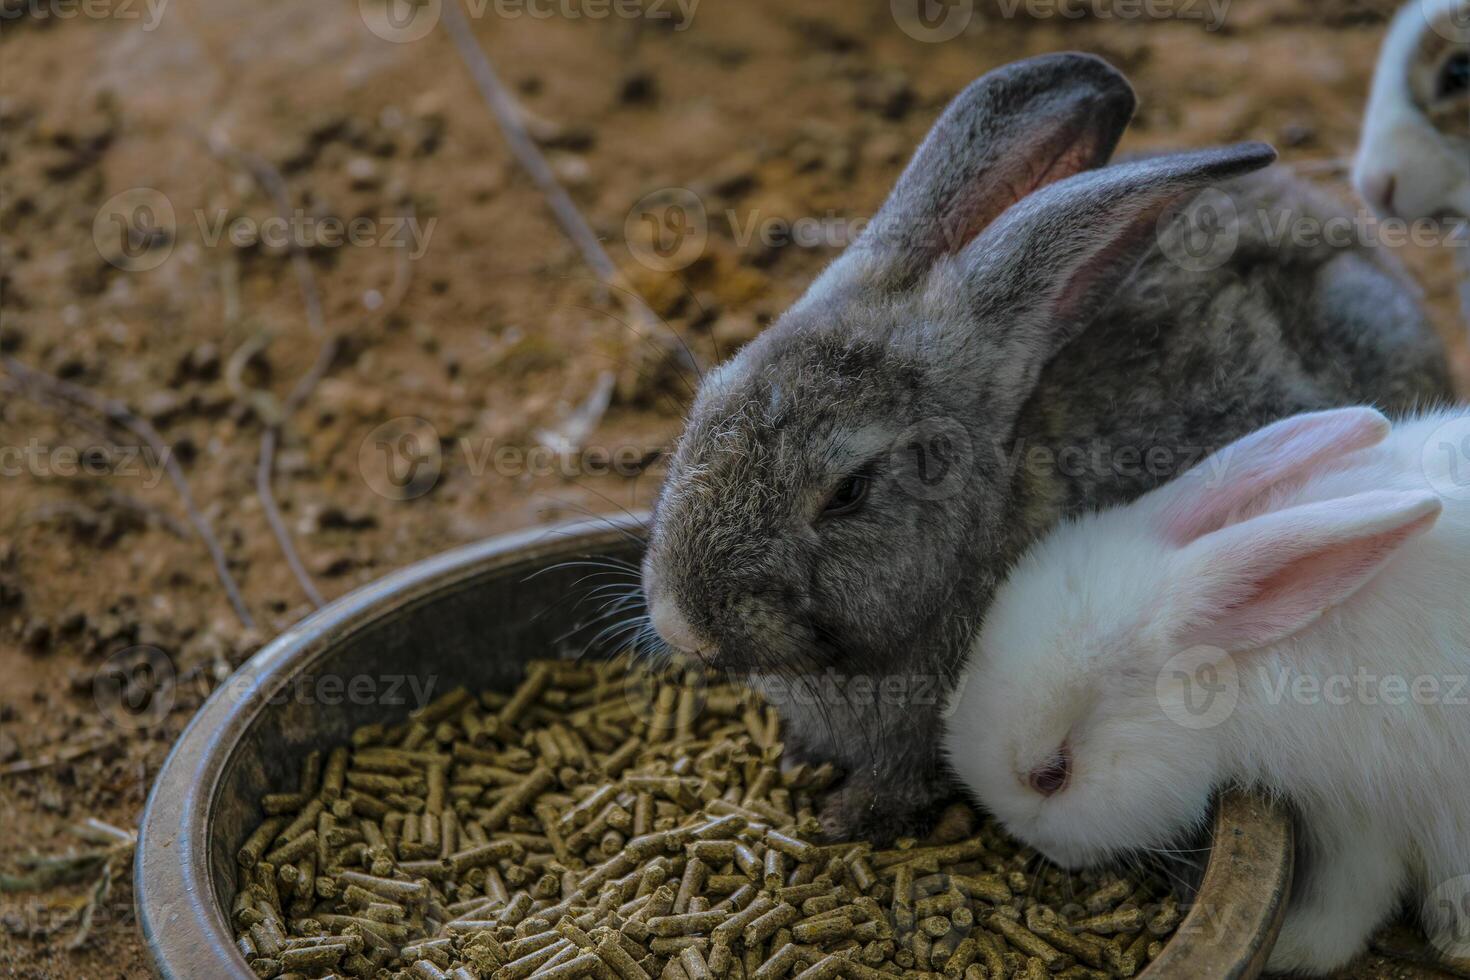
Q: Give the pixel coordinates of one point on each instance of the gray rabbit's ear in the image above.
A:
(1036, 277)
(1009, 133)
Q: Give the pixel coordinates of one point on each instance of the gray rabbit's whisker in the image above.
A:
(606, 636)
(714, 340)
(645, 340)
(597, 517)
(632, 295)
(621, 578)
(619, 595)
(620, 608)
(674, 329)
(587, 562)
(568, 598)
(666, 403)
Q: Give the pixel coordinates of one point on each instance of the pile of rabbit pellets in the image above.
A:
(604, 822)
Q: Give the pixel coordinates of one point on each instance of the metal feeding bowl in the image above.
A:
(474, 616)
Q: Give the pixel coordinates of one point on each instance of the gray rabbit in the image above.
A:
(852, 486)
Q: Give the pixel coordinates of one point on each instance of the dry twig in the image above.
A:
(645, 323)
(271, 181)
(68, 753)
(114, 852)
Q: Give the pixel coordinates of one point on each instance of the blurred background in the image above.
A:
(294, 231)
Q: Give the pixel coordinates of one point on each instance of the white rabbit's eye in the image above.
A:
(1053, 777)
(1454, 77)
(848, 496)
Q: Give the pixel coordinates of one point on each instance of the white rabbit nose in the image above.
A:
(674, 629)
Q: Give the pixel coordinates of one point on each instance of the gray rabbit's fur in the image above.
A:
(941, 339)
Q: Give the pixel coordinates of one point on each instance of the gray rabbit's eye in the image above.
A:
(1454, 77)
(849, 495)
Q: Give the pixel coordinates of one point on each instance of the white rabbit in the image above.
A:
(1292, 615)
(1414, 158)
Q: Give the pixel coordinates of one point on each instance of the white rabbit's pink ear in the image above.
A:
(1259, 582)
(1228, 483)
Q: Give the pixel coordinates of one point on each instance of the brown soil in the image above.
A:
(768, 110)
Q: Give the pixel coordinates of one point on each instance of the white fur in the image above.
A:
(1431, 172)
(1077, 641)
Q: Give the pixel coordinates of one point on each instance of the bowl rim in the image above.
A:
(178, 909)
(182, 919)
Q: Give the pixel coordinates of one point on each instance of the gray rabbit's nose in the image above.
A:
(675, 629)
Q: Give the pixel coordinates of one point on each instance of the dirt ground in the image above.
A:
(487, 327)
